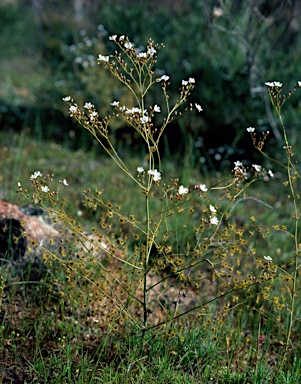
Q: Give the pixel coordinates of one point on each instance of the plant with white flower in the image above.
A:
(278, 99)
(135, 71)
(138, 76)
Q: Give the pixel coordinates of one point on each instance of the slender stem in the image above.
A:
(145, 260)
(289, 168)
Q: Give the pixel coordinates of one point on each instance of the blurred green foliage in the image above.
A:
(231, 48)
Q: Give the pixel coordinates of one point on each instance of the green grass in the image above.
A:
(54, 332)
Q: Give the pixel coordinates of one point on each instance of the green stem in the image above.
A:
(290, 166)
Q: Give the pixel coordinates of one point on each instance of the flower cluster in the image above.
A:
(42, 183)
(273, 84)
(124, 43)
(164, 78)
(91, 109)
(240, 172)
(213, 219)
(155, 174)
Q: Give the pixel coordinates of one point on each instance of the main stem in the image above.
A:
(296, 259)
(145, 260)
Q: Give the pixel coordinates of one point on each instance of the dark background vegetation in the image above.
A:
(48, 50)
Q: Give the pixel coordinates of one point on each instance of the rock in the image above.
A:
(33, 219)
(19, 228)
(25, 234)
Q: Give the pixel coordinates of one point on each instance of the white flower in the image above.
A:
(103, 58)
(156, 108)
(273, 84)
(92, 115)
(73, 109)
(122, 37)
(156, 175)
(113, 37)
(144, 119)
(212, 209)
(198, 107)
(270, 172)
(140, 169)
(88, 105)
(19, 184)
(35, 175)
(142, 55)
(239, 170)
(257, 167)
(128, 45)
(115, 103)
(217, 12)
(45, 189)
(250, 129)
(238, 165)
(183, 190)
(299, 83)
(191, 80)
(151, 51)
(65, 182)
(67, 98)
(268, 258)
(203, 188)
(213, 220)
(162, 78)
(133, 110)
(184, 82)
